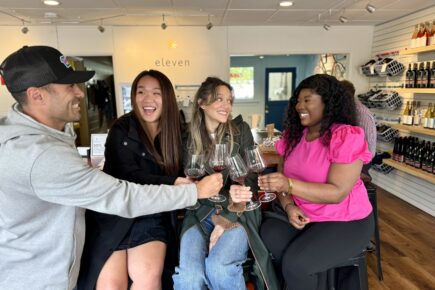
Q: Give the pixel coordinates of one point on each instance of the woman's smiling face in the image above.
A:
(310, 108)
(149, 99)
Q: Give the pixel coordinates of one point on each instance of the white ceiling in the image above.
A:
(197, 12)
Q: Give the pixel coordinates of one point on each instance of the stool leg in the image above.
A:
(362, 271)
(330, 276)
(377, 237)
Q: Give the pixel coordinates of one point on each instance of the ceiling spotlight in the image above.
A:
(286, 3)
(343, 19)
(101, 27)
(326, 27)
(370, 8)
(51, 2)
(164, 25)
(209, 24)
(24, 29)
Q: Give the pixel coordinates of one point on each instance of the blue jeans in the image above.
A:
(219, 269)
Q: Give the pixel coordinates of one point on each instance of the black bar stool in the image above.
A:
(371, 190)
(358, 261)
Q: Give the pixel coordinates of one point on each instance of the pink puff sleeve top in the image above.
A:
(310, 161)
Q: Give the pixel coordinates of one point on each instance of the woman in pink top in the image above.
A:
(326, 203)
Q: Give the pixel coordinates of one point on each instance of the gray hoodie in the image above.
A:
(44, 188)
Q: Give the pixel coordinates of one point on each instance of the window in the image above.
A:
(242, 81)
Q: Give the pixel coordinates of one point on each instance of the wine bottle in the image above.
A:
(426, 117)
(426, 165)
(431, 124)
(402, 149)
(414, 36)
(420, 75)
(417, 114)
(432, 74)
(406, 115)
(409, 77)
(395, 150)
(415, 75)
(427, 75)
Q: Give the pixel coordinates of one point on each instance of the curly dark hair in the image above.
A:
(339, 108)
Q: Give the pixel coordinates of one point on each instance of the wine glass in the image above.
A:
(218, 162)
(194, 170)
(257, 164)
(238, 173)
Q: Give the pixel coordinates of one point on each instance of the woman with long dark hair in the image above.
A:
(326, 214)
(143, 146)
(215, 241)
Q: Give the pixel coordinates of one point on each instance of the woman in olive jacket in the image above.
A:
(199, 268)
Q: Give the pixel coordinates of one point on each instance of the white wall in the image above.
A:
(207, 51)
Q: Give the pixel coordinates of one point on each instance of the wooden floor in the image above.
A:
(407, 246)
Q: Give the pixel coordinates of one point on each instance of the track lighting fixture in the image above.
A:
(164, 25)
(343, 19)
(101, 27)
(370, 8)
(24, 29)
(209, 24)
(326, 26)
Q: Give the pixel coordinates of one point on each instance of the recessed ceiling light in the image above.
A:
(286, 3)
(51, 2)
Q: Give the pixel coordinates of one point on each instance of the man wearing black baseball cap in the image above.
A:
(45, 186)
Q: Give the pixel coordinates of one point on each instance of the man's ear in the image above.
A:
(34, 95)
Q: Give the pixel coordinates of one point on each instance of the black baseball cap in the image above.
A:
(37, 66)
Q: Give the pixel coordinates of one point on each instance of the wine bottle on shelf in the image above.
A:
(395, 150)
(426, 164)
(420, 75)
(418, 154)
(403, 149)
(409, 77)
(406, 115)
(414, 36)
(426, 37)
(426, 76)
(410, 151)
(417, 114)
(432, 158)
(421, 37)
(415, 75)
(432, 34)
(426, 118)
(431, 123)
(432, 74)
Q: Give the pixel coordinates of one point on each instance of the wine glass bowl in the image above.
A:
(218, 162)
(238, 173)
(257, 164)
(194, 170)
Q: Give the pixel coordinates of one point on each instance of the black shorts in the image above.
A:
(144, 230)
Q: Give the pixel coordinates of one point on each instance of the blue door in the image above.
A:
(280, 83)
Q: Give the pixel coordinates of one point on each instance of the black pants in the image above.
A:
(303, 256)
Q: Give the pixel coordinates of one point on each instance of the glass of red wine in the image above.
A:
(194, 170)
(257, 164)
(218, 162)
(238, 173)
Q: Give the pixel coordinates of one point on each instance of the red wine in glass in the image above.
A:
(257, 164)
(238, 173)
(194, 174)
(218, 161)
(218, 168)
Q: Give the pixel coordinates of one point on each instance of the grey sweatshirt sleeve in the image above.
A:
(60, 176)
